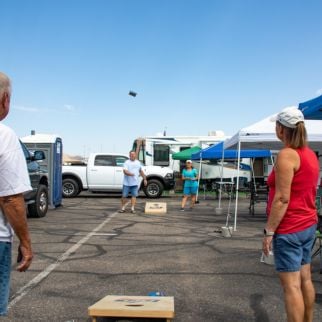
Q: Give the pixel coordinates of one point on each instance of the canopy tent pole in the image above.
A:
(272, 159)
(253, 175)
(199, 176)
(237, 186)
(229, 205)
(221, 175)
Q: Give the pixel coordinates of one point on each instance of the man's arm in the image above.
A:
(143, 176)
(14, 209)
(128, 173)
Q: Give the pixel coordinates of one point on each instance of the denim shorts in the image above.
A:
(291, 251)
(190, 190)
(5, 269)
(130, 189)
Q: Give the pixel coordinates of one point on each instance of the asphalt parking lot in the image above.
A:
(86, 250)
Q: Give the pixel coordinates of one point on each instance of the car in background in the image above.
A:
(36, 199)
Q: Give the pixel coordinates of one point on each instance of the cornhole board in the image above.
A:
(154, 208)
(111, 306)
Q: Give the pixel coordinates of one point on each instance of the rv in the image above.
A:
(158, 150)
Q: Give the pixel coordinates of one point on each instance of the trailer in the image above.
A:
(158, 150)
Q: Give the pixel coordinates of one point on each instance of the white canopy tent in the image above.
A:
(261, 135)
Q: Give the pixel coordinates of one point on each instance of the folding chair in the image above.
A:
(258, 193)
(318, 234)
(318, 251)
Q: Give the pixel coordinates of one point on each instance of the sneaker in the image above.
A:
(122, 210)
(181, 209)
(133, 211)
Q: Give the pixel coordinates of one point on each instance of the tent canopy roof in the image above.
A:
(312, 109)
(185, 154)
(216, 152)
(261, 135)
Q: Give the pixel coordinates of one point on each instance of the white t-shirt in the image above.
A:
(14, 177)
(133, 167)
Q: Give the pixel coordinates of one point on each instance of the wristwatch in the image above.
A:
(268, 233)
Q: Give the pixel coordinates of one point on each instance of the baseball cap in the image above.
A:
(289, 117)
(188, 161)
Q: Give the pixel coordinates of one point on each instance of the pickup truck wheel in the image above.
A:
(70, 188)
(153, 189)
(39, 208)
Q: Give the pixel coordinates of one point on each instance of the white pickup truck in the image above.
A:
(104, 173)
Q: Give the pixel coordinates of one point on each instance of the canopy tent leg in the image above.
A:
(237, 186)
(200, 161)
(221, 176)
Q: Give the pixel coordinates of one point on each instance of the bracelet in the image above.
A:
(268, 233)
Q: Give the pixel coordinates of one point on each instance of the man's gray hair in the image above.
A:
(5, 84)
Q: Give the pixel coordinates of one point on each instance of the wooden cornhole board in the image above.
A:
(154, 208)
(161, 307)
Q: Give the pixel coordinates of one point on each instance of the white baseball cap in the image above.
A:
(289, 117)
(188, 161)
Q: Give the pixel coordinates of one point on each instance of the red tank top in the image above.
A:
(301, 211)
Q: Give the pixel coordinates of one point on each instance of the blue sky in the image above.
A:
(197, 66)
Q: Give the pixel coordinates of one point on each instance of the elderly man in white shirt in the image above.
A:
(14, 181)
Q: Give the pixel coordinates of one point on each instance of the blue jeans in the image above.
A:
(291, 251)
(133, 190)
(5, 269)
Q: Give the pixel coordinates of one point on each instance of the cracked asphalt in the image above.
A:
(86, 250)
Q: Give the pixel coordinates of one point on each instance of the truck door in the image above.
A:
(119, 161)
(101, 175)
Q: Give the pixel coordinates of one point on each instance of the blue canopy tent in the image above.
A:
(217, 152)
(312, 109)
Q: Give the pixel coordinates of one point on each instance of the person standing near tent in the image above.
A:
(292, 215)
(190, 187)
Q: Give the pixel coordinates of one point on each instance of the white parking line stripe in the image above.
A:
(105, 234)
(36, 280)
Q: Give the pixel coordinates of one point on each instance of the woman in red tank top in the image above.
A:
(292, 215)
